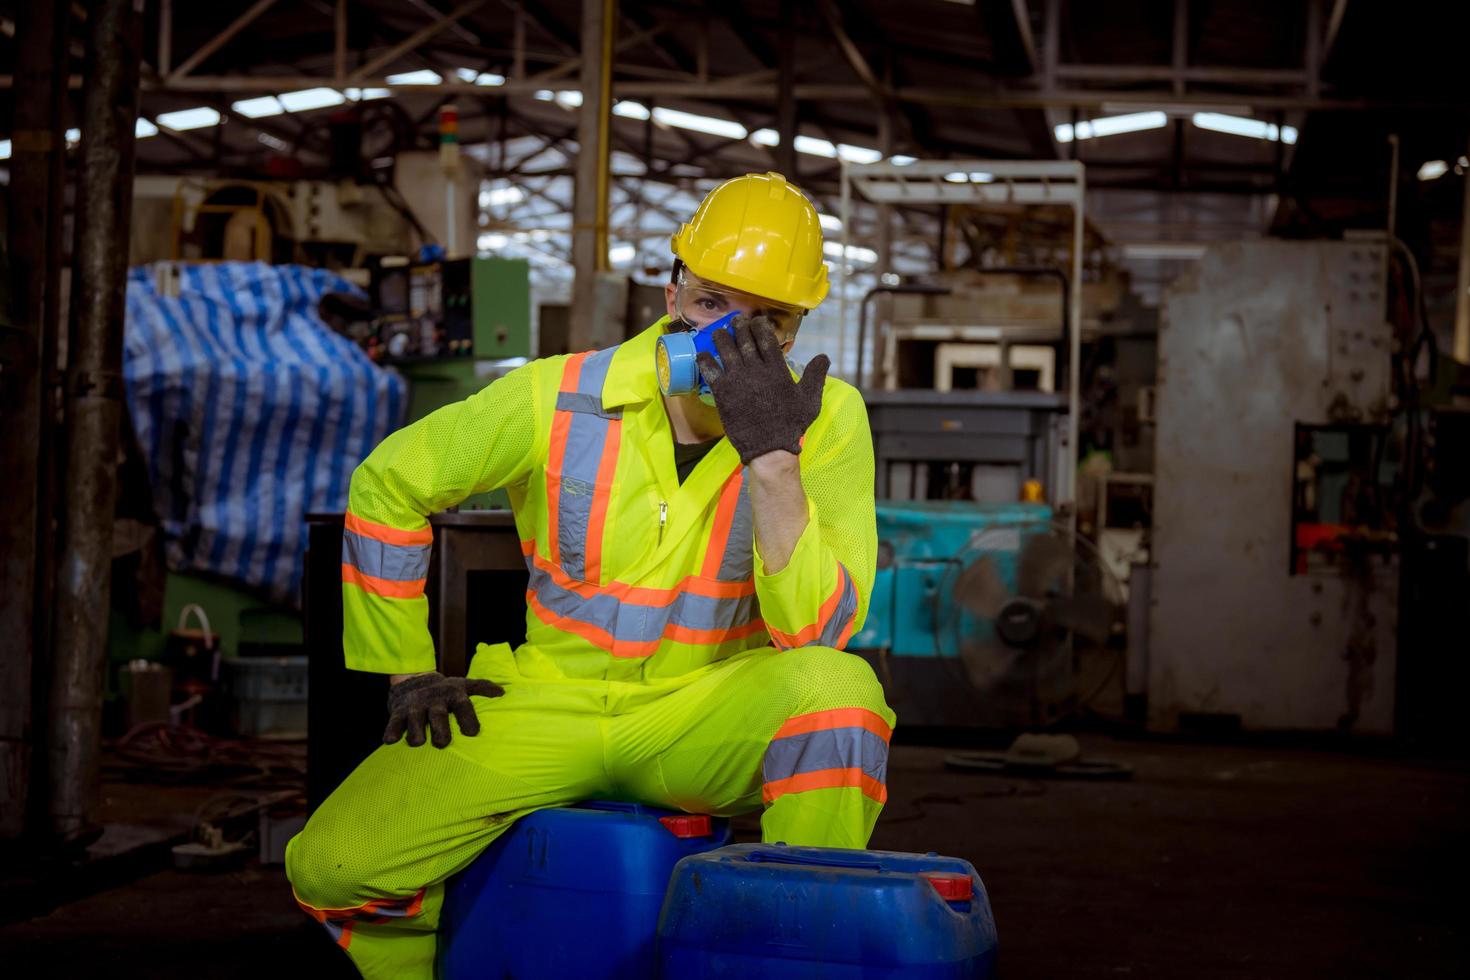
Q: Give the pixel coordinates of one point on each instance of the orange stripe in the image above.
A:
(846, 633)
(345, 939)
(826, 779)
(561, 426)
(571, 374)
(382, 586)
(719, 539)
(386, 534)
(414, 903)
(641, 595)
(688, 634)
(601, 494)
(824, 614)
(818, 721)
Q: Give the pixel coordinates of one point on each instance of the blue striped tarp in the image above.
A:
(250, 412)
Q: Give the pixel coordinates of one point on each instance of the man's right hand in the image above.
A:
(421, 699)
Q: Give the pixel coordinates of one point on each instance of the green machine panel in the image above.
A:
(500, 303)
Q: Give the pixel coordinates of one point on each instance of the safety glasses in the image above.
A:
(701, 304)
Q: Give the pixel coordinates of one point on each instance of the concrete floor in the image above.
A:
(1211, 862)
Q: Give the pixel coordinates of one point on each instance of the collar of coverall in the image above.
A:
(631, 377)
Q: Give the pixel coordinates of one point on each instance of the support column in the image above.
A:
(590, 204)
(37, 159)
(94, 407)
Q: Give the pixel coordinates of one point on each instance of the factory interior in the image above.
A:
(1148, 319)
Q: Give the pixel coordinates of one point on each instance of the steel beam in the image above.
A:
(94, 407)
(222, 38)
(1168, 73)
(1334, 26)
(589, 211)
(1051, 44)
(741, 88)
(786, 122)
(1180, 64)
(165, 37)
(415, 39)
(1022, 13)
(339, 41)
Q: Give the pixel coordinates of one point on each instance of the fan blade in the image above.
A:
(1045, 560)
(988, 664)
(1088, 614)
(979, 590)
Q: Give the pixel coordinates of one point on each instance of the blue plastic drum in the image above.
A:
(776, 912)
(569, 892)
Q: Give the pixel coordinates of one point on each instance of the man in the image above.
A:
(696, 569)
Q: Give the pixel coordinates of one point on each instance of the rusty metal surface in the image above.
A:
(1261, 336)
(24, 346)
(94, 412)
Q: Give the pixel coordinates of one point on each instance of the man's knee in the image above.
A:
(823, 677)
(325, 872)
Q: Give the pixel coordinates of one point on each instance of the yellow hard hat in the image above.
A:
(760, 235)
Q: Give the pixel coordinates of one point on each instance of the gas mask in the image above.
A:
(704, 308)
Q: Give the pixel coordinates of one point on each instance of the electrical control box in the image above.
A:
(456, 308)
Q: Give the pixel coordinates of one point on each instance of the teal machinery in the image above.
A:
(975, 610)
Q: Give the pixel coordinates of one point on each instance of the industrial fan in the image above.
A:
(1024, 604)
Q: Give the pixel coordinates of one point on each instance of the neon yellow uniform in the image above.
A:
(662, 663)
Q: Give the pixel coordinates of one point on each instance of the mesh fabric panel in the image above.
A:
(430, 465)
(837, 474)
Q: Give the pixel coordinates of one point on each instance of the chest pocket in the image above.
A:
(581, 463)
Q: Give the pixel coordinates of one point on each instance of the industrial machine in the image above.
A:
(1274, 545)
(449, 308)
(983, 615)
(315, 222)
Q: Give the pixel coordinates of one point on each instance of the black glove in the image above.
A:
(761, 408)
(430, 698)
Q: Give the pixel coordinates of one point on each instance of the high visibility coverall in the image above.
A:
(662, 662)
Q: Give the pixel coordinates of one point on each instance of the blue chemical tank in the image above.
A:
(773, 912)
(569, 892)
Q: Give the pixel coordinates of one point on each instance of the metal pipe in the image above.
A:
(94, 412)
(919, 288)
(37, 147)
(49, 477)
(1067, 480)
(1462, 282)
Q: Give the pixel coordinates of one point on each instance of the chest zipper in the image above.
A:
(663, 518)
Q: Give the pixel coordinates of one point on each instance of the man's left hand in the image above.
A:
(760, 406)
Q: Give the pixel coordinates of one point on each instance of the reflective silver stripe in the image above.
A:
(576, 401)
(842, 615)
(828, 748)
(738, 563)
(632, 622)
(586, 440)
(581, 458)
(394, 562)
